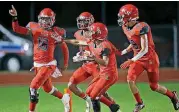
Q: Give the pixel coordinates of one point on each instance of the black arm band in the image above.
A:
(14, 18)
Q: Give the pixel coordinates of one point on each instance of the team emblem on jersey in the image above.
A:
(43, 43)
(57, 37)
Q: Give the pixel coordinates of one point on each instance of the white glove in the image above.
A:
(79, 58)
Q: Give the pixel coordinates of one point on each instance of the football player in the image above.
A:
(102, 53)
(45, 37)
(145, 58)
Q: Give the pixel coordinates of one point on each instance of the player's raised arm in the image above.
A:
(15, 24)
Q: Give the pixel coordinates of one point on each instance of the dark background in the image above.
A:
(67, 11)
(161, 16)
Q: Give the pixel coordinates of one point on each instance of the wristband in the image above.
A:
(14, 18)
(124, 52)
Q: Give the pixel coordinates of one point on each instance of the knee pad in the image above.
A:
(153, 86)
(33, 95)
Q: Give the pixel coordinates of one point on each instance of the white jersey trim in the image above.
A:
(142, 53)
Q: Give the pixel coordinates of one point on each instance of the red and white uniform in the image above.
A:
(44, 45)
(89, 68)
(108, 75)
(149, 59)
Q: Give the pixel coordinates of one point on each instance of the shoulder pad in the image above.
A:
(144, 30)
(141, 28)
(29, 25)
(60, 31)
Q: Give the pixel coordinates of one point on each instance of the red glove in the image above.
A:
(126, 64)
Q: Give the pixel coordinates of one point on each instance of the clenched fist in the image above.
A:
(13, 11)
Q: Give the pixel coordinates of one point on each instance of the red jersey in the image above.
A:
(105, 49)
(44, 42)
(90, 65)
(79, 35)
(133, 36)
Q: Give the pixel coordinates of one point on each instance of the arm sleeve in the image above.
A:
(19, 29)
(65, 52)
(142, 53)
(144, 30)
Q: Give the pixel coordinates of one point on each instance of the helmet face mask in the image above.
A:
(120, 20)
(46, 18)
(84, 20)
(45, 22)
(83, 23)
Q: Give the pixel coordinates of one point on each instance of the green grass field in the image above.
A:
(16, 99)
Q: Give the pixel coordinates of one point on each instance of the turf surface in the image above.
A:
(16, 99)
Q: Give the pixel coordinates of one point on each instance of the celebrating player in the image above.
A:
(145, 58)
(102, 52)
(45, 37)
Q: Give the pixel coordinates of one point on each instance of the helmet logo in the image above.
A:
(126, 12)
(98, 30)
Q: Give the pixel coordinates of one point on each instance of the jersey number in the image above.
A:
(134, 44)
(43, 43)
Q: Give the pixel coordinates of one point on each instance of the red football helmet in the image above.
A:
(84, 20)
(127, 13)
(98, 31)
(46, 18)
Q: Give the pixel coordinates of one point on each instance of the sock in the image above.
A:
(137, 97)
(58, 94)
(32, 106)
(96, 106)
(82, 95)
(169, 94)
(106, 101)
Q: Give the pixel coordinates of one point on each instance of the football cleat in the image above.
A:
(138, 107)
(114, 108)
(66, 102)
(89, 104)
(175, 101)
